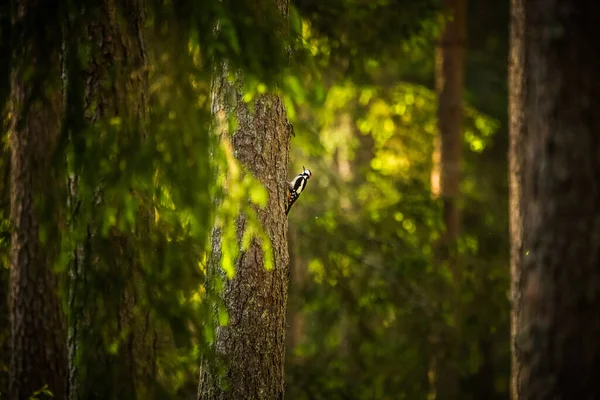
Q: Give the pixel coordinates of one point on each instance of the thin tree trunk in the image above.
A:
(555, 169)
(446, 183)
(252, 345)
(38, 340)
(5, 233)
(517, 133)
(449, 81)
(5, 330)
(5, 61)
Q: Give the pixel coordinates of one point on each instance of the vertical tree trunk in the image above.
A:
(114, 85)
(5, 324)
(5, 57)
(446, 180)
(38, 340)
(556, 229)
(449, 82)
(517, 135)
(253, 343)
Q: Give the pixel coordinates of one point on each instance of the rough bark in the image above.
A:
(555, 164)
(253, 342)
(5, 324)
(517, 135)
(252, 345)
(114, 84)
(5, 233)
(5, 57)
(38, 340)
(446, 178)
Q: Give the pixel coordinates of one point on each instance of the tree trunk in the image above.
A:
(5, 231)
(449, 82)
(38, 340)
(253, 343)
(555, 199)
(5, 325)
(446, 182)
(517, 133)
(114, 85)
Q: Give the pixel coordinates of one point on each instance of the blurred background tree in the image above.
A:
(366, 292)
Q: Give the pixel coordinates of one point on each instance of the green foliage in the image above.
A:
(354, 36)
(144, 198)
(42, 393)
(375, 287)
(373, 295)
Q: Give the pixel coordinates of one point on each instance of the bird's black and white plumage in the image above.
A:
(296, 187)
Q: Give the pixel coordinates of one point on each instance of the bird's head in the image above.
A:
(306, 172)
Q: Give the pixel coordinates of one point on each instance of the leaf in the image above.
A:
(227, 264)
(223, 317)
(268, 253)
(258, 195)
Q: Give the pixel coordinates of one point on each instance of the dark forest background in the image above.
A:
(146, 150)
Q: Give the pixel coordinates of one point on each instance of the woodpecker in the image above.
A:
(296, 187)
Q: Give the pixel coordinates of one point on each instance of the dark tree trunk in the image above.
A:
(38, 340)
(4, 324)
(5, 60)
(449, 81)
(114, 85)
(253, 343)
(446, 184)
(555, 199)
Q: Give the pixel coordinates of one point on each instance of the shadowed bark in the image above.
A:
(38, 342)
(555, 199)
(113, 84)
